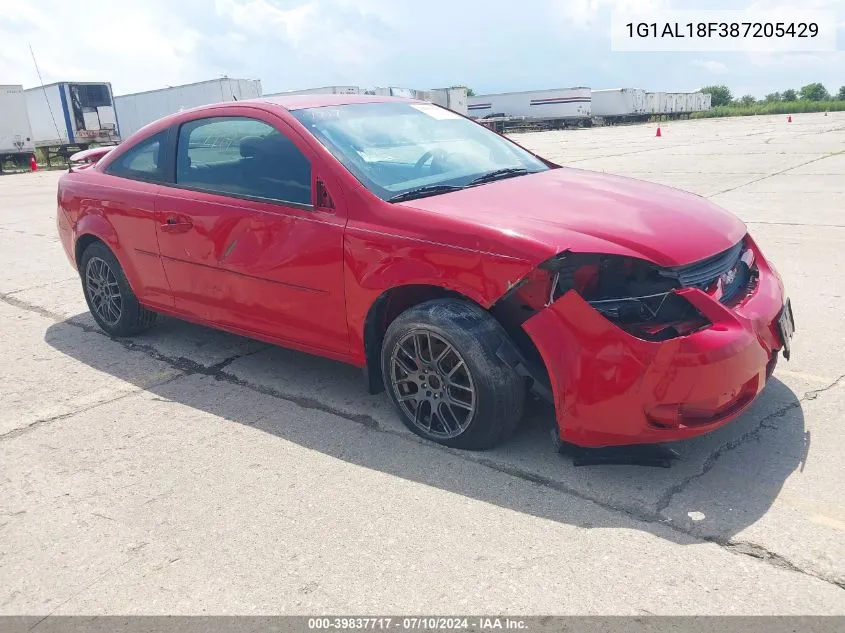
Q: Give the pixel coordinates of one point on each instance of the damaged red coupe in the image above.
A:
(458, 269)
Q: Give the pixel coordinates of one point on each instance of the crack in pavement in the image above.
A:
(36, 287)
(772, 175)
(216, 371)
(82, 590)
(821, 226)
(7, 298)
(61, 416)
(666, 498)
(52, 238)
(641, 514)
(754, 550)
(191, 367)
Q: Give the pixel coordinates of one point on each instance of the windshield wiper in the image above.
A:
(507, 172)
(422, 192)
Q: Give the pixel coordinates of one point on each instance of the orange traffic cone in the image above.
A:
(789, 119)
(33, 166)
(658, 135)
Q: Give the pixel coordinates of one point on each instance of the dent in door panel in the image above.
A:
(264, 268)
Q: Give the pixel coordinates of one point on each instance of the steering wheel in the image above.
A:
(433, 155)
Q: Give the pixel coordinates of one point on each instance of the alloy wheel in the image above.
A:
(103, 290)
(432, 384)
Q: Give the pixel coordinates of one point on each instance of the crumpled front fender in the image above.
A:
(587, 359)
(607, 384)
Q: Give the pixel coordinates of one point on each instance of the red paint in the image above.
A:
(307, 278)
(538, 216)
(88, 157)
(607, 382)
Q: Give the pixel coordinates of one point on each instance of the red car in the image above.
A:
(458, 269)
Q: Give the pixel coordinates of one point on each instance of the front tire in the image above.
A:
(441, 370)
(111, 301)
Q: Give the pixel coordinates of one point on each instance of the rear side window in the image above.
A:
(242, 157)
(145, 161)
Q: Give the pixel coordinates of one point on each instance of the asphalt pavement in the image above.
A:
(188, 471)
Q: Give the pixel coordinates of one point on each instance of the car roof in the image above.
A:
(299, 102)
(290, 102)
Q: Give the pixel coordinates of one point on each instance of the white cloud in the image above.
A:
(134, 47)
(289, 44)
(710, 65)
(142, 45)
(583, 13)
(294, 25)
(803, 4)
(315, 28)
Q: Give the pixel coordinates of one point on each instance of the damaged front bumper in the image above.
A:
(612, 388)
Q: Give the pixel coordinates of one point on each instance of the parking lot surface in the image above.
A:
(189, 471)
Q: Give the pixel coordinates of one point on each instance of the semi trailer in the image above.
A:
(136, 110)
(17, 144)
(563, 105)
(67, 117)
(322, 90)
(615, 105)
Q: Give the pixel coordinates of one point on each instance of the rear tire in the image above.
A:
(110, 299)
(441, 370)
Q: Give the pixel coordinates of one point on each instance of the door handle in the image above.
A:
(176, 225)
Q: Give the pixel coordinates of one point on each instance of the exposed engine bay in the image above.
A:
(636, 295)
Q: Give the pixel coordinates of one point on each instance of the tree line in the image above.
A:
(721, 96)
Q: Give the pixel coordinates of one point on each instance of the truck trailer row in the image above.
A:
(582, 105)
(66, 117)
(59, 118)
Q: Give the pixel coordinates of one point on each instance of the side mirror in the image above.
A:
(323, 198)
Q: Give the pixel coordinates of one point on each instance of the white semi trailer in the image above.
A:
(136, 110)
(559, 104)
(68, 117)
(453, 98)
(655, 102)
(16, 141)
(676, 104)
(323, 90)
(614, 105)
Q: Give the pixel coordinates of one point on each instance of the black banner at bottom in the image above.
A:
(484, 623)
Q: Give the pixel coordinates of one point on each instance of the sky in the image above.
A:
(489, 45)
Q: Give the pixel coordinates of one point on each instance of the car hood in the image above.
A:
(573, 209)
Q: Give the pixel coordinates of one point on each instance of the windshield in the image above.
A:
(398, 148)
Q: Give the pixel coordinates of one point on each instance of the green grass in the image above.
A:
(782, 107)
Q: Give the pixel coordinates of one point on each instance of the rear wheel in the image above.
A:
(111, 301)
(441, 370)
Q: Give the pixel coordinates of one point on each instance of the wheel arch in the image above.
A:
(518, 350)
(94, 228)
(82, 243)
(386, 307)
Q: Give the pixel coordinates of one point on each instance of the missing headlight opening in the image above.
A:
(641, 297)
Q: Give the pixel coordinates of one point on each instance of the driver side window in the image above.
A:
(242, 157)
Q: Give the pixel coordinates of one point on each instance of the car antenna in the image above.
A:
(49, 107)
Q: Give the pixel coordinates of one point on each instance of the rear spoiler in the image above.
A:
(88, 158)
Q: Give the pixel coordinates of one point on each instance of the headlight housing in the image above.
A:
(634, 294)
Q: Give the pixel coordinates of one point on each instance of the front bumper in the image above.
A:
(611, 388)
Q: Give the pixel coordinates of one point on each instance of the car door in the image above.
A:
(126, 196)
(243, 241)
